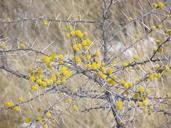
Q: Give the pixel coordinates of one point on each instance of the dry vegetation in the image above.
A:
(41, 25)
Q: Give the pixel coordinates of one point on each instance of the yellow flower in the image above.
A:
(44, 84)
(35, 87)
(9, 104)
(151, 77)
(64, 70)
(155, 5)
(77, 59)
(87, 56)
(136, 57)
(156, 66)
(39, 81)
(89, 42)
(141, 89)
(161, 5)
(136, 95)
(111, 81)
(49, 81)
(97, 53)
(52, 56)
(103, 69)
(110, 70)
(46, 60)
(84, 43)
(144, 102)
(119, 104)
(28, 120)
(45, 22)
(22, 45)
(48, 115)
(69, 100)
(75, 107)
(61, 57)
(166, 68)
(69, 27)
(140, 103)
(126, 64)
(54, 77)
(168, 31)
(79, 34)
(16, 108)
(20, 99)
(101, 75)
(157, 75)
(95, 66)
(75, 47)
(32, 78)
(126, 84)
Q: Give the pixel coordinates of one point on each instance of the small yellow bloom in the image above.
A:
(101, 75)
(110, 70)
(97, 53)
(9, 104)
(75, 47)
(39, 118)
(126, 64)
(166, 68)
(52, 56)
(69, 27)
(161, 5)
(45, 22)
(119, 104)
(141, 89)
(75, 107)
(49, 81)
(39, 81)
(151, 77)
(84, 43)
(69, 100)
(144, 102)
(16, 108)
(28, 120)
(157, 75)
(22, 45)
(35, 87)
(60, 56)
(44, 84)
(140, 103)
(32, 78)
(126, 84)
(48, 114)
(156, 66)
(20, 99)
(95, 66)
(103, 69)
(155, 5)
(77, 59)
(136, 57)
(79, 34)
(111, 81)
(46, 60)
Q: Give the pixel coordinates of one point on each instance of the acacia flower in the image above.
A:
(119, 104)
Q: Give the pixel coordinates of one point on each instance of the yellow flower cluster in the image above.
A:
(9, 104)
(158, 5)
(48, 59)
(119, 104)
(126, 84)
(74, 33)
